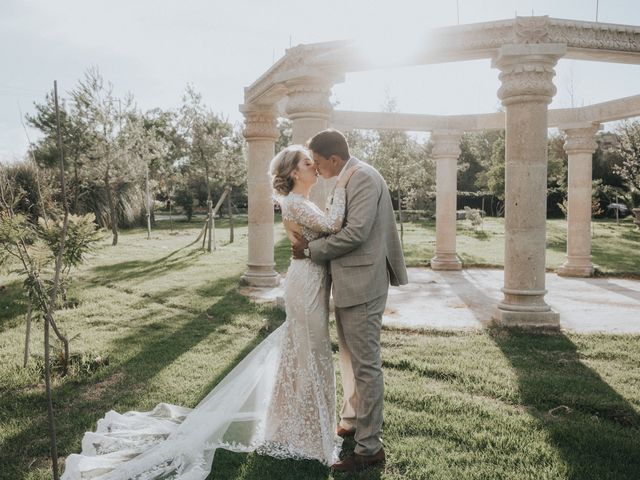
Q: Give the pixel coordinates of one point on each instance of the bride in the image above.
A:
(278, 401)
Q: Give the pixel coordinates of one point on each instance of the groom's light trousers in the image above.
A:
(361, 370)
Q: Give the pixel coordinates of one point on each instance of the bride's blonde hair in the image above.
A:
(283, 165)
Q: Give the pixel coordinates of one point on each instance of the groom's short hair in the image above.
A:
(330, 142)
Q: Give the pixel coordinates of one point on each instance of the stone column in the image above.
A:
(579, 145)
(261, 133)
(527, 72)
(446, 150)
(309, 109)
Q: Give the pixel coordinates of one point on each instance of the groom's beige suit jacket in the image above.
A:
(366, 255)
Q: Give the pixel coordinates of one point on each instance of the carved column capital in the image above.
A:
(527, 71)
(580, 138)
(532, 29)
(260, 122)
(308, 97)
(446, 143)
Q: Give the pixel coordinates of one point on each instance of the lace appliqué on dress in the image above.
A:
(314, 222)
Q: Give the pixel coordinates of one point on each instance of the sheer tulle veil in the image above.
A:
(176, 442)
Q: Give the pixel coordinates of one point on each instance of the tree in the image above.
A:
(103, 115)
(24, 241)
(166, 171)
(214, 149)
(43, 254)
(362, 144)
(230, 174)
(36, 189)
(494, 176)
(75, 138)
(399, 159)
(557, 171)
(496, 168)
(473, 156)
(142, 141)
(285, 127)
(184, 198)
(629, 150)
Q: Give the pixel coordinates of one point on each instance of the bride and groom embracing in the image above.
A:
(280, 400)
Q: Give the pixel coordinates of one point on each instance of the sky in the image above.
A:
(154, 48)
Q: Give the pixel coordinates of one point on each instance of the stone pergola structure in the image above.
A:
(525, 50)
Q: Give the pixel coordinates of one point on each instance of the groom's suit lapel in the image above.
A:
(350, 163)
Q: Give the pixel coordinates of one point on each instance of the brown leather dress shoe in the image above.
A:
(356, 463)
(344, 433)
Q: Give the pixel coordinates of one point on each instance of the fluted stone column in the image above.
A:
(446, 150)
(579, 145)
(309, 109)
(261, 133)
(527, 88)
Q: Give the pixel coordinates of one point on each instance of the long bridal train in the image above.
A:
(176, 442)
(252, 409)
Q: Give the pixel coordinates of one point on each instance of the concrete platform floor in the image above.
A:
(465, 300)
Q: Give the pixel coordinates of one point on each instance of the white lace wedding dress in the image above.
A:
(279, 400)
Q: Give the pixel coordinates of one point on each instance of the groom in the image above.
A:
(365, 256)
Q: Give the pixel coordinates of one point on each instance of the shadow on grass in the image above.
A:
(228, 465)
(480, 234)
(593, 428)
(557, 244)
(616, 257)
(632, 235)
(180, 223)
(13, 305)
(141, 269)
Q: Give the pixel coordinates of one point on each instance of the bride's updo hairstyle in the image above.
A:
(282, 167)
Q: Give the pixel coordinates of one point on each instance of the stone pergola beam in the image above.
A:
(416, 122)
(584, 41)
(609, 111)
(269, 88)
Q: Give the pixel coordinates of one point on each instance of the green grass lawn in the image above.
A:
(168, 324)
(615, 248)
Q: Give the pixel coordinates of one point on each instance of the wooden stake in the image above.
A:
(230, 216)
(170, 214)
(47, 381)
(205, 230)
(210, 215)
(27, 336)
(148, 205)
(63, 235)
(211, 227)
